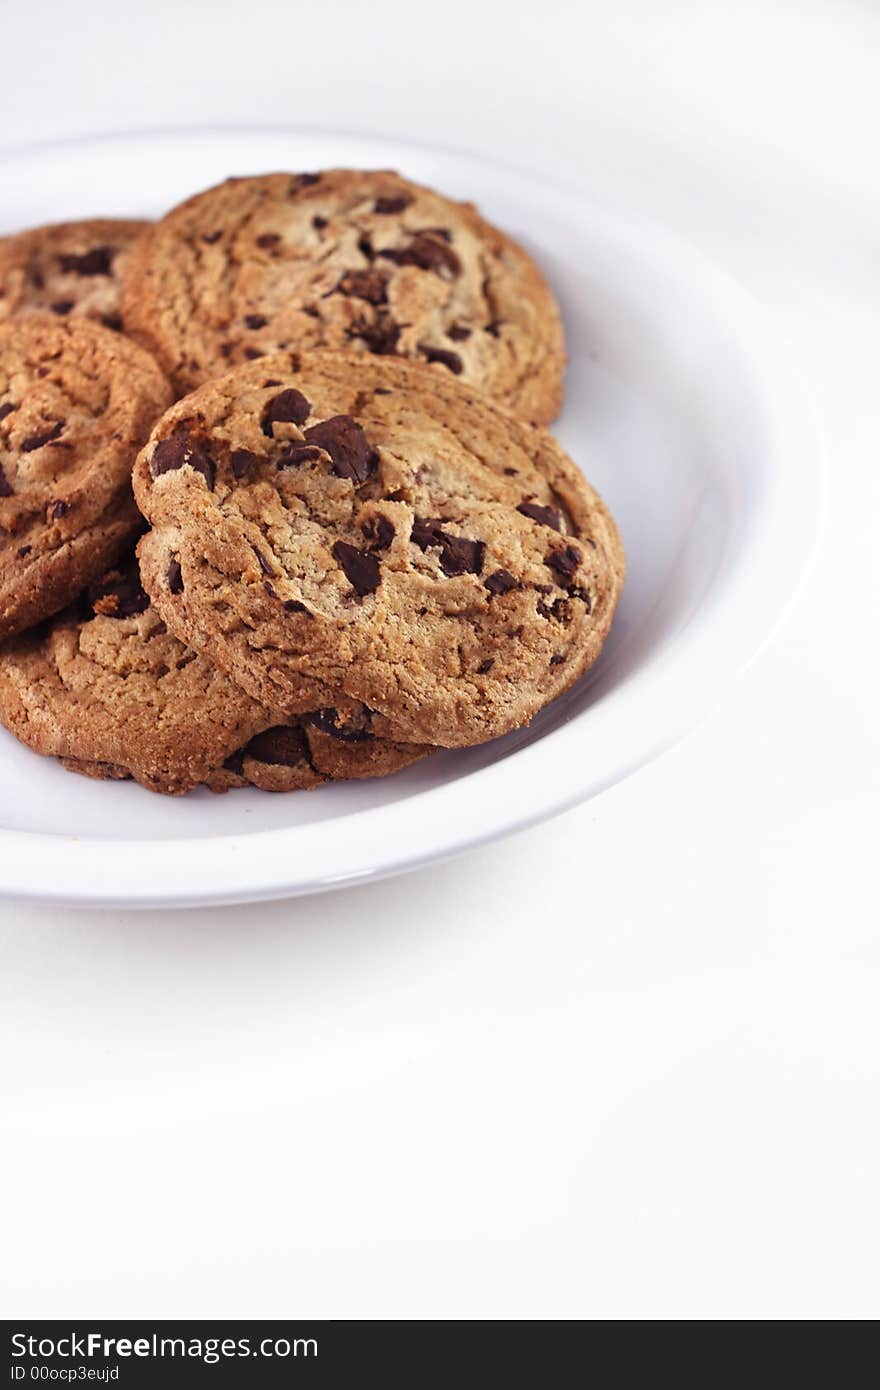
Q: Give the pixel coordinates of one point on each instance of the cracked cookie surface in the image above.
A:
(109, 691)
(355, 260)
(318, 518)
(77, 401)
(67, 269)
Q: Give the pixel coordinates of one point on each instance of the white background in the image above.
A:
(626, 1064)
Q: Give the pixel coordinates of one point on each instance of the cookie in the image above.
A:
(345, 259)
(105, 688)
(76, 403)
(403, 540)
(67, 268)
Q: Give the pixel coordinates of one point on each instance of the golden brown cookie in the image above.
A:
(108, 690)
(364, 261)
(76, 403)
(348, 521)
(67, 268)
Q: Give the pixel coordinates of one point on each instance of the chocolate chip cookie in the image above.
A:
(108, 690)
(389, 534)
(68, 268)
(76, 403)
(348, 259)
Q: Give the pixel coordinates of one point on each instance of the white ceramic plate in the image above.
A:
(679, 409)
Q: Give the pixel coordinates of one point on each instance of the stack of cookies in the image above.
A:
(277, 503)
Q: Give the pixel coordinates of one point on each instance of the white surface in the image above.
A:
(681, 405)
(624, 1064)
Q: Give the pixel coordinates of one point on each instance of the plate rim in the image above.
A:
(167, 868)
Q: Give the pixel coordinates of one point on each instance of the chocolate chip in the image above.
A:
(6, 409)
(485, 666)
(262, 561)
(426, 252)
(242, 462)
(563, 562)
(267, 240)
(293, 605)
(62, 306)
(303, 181)
(5, 485)
(501, 582)
(288, 407)
(511, 472)
(381, 390)
(212, 237)
(560, 610)
(296, 454)
(174, 577)
(364, 284)
(255, 321)
(58, 509)
(380, 336)
(365, 246)
(546, 516)
(442, 355)
(36, 441)
(235, 763)
(359, 567)
(351, 452)
(327, 720)
(461, 556)
(119, 594)
(378, 532)
(96, 262)
(113, 321)
(458, 332)
(397, 203)
(425, 533)
(285, 746)
(458, 555)
(252, 354)
(23, 550)
(171, 454)
(319, 223)
(557, 659)
(583, 594)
